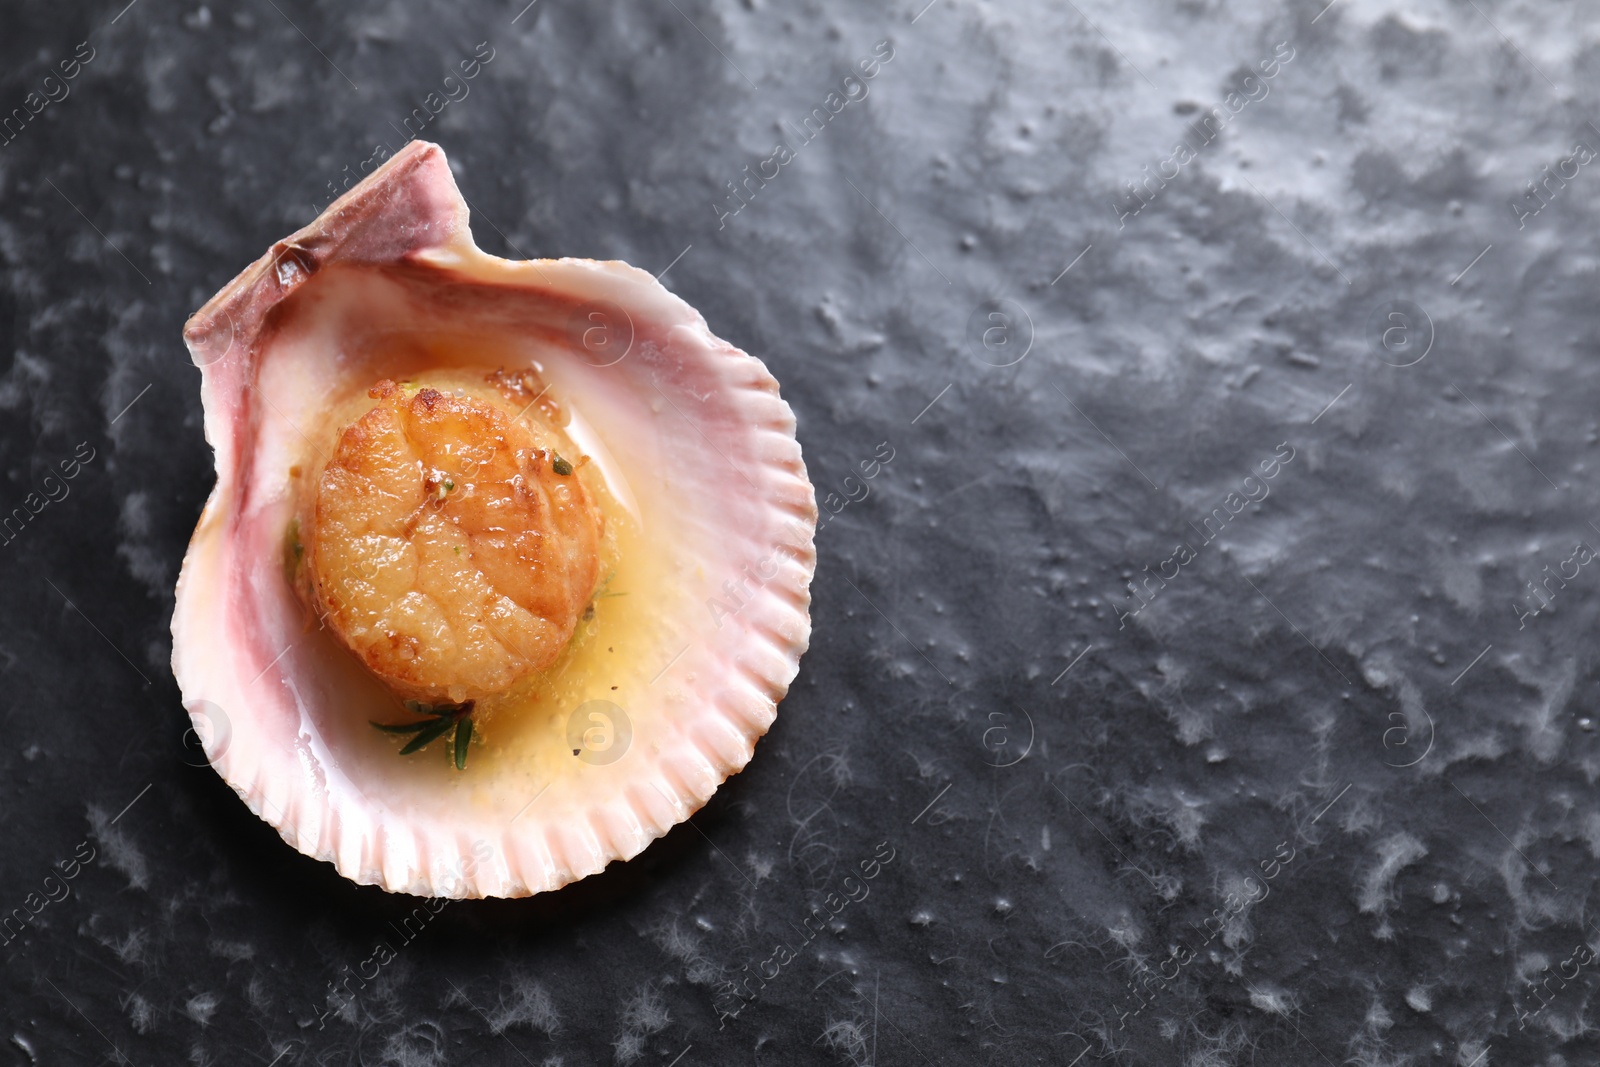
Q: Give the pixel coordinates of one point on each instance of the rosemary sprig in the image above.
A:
(402, 727)
(430, 734)
(442, 719)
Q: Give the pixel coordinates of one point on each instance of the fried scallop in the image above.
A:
(450, 546)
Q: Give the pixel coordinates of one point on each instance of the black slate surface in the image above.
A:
(1348, 689)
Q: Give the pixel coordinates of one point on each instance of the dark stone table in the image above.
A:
(1209, 673)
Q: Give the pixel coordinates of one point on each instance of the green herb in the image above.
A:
(402, 727)
(603, 590)
(442, 719)
(429, 734)
(560, 466)
(292, 548)
(449, 486)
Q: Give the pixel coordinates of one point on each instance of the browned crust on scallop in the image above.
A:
(446, 548)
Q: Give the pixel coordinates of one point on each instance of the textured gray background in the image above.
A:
(1342, 672)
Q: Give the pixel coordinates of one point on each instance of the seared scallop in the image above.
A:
(450, 545)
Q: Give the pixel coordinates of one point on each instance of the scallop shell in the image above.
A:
(694, 426)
